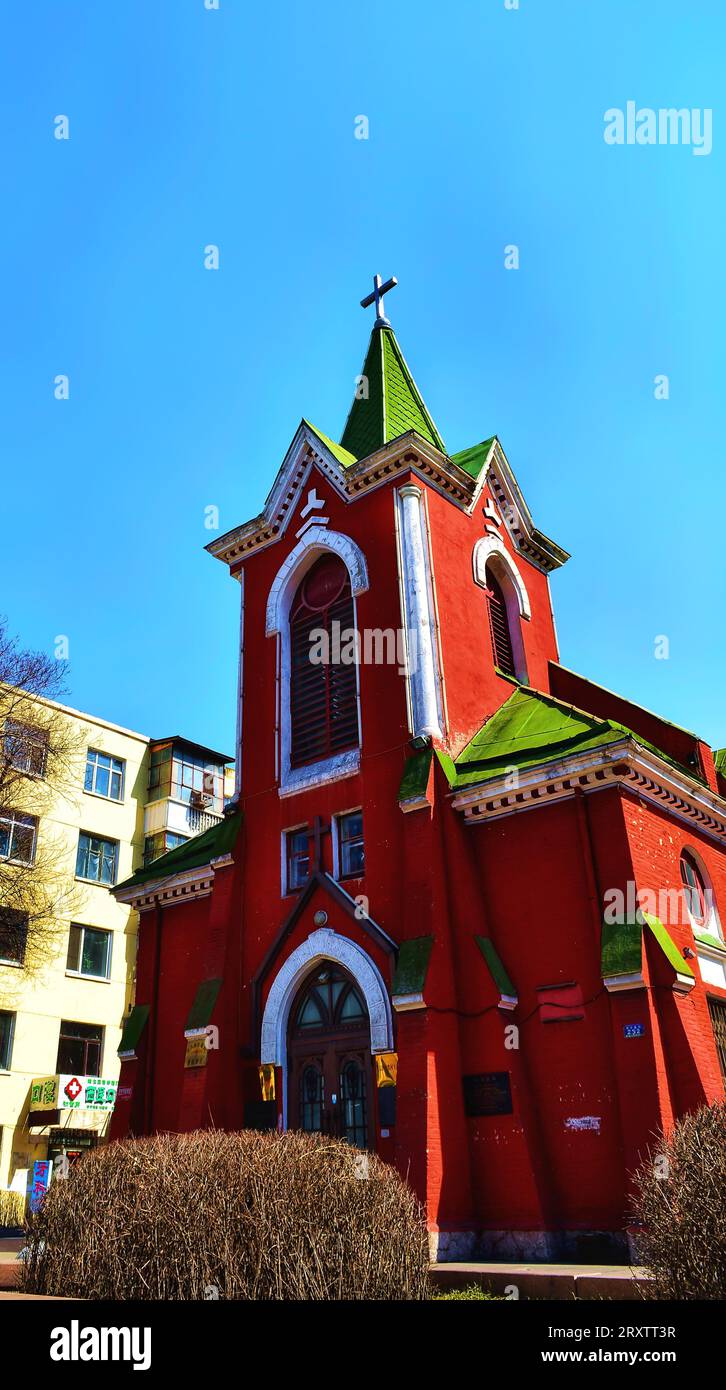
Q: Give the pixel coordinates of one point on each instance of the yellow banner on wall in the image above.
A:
(267, 1081)
(386, 1068)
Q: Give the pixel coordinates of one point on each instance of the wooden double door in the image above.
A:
(330, 1069)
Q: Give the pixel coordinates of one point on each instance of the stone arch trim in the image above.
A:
(321, 945)
(313, 543)
(484, 550)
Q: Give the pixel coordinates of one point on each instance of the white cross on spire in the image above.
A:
(379, 289)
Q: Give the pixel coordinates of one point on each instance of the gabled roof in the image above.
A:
(530, 729)
(391, 403)
(201, 849)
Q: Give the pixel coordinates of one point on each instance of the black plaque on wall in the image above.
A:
(490, 1093)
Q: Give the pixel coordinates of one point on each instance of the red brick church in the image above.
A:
(465, 908)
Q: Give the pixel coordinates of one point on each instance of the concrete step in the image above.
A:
(550, 1281)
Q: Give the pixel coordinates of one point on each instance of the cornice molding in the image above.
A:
(407, 453)
(625, 763)
(175, 889)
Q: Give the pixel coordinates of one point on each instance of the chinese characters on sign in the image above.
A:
(39, 1182)
(68, 1092)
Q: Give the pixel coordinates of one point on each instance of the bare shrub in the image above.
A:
(12, 1209)
(680, 1202)
(231, 1216)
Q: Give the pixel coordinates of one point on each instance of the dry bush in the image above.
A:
(12, 1209)
(680, 1202)
(230, 1216)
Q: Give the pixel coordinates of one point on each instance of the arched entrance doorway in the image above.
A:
(329, 1058)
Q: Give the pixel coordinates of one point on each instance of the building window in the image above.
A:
(694, 889)
(351, 853)
(499, 625)
(13, 936)
(104, 775)
(184, 776)
(17, 837)
(323, 694)
(26, 747)
(79, 1048)
(161, 843)
(7, 1028)
(698, 894)
(97, 859)
(297, 859)
(89, 952)
(717, 1012)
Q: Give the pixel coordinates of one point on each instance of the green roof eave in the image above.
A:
(474, 459)
(496, 967)
(201, 849)
(343, 456)
(412, 966)
(621, 948)
(719, 757)
(415, 777)
(532, 729)
(668, 946)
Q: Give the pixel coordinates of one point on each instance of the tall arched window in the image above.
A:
(323, 704)
(499, 624)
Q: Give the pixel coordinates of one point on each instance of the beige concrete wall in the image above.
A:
(42, 999)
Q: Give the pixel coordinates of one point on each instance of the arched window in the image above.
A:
(323, 704)
(694, 889)
(499, 625)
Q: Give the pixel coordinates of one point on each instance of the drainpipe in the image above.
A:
(420, 641)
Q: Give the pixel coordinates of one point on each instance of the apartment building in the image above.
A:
(126, 799)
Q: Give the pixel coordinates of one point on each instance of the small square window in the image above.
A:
(96, 859)
(79, 1048)
(26, 747)
(89, 951)
(351, 852)
(104, 775)
(297, 859)
(17, 837)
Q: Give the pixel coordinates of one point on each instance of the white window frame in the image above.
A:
(13, 818)
(337, 844)
(105, 796)
(287, 890)
(316, 542)
(712, 925)
(83, 927)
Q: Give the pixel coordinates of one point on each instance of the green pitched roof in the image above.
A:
(472, 460)
(720, 760)
(343, 456)
(215, 842)
(412, 966)
(393, 404)
(530, 729)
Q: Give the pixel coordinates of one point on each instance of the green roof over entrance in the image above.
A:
(390, 403)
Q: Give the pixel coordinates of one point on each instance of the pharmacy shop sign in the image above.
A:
(71, 1092)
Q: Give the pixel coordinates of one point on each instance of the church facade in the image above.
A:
(465, 909)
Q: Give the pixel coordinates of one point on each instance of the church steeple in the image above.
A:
(387, 402)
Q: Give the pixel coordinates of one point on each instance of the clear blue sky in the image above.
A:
(236, 127)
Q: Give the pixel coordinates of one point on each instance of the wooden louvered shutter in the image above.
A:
(499, 626)
(323, 702)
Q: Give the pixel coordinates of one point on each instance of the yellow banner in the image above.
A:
(386, 1068)
(197, 1052)
(267, 1081)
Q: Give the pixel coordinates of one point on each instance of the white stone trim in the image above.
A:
(485, 548)
(406, 1003)
(308, 549)
(325, 944)
(418, 617)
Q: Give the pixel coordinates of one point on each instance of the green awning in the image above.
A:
(203, 1006)
(668, 947)
(412, 966)
(132, 1030)
(496, 969)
